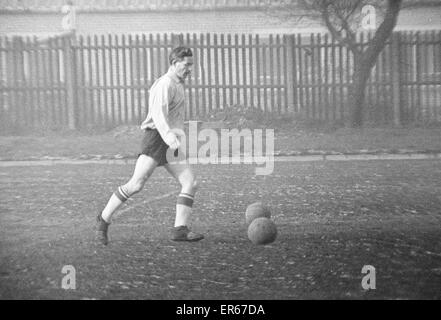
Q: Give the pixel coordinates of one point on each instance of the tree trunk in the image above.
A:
(357, 95)
(365, 61)
(357, 91)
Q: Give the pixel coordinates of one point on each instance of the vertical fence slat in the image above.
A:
(423, 78)
(318, 81)
(327, 106)
(71, 75)
(9, 79)
(367, 102)
(14, 83)
(396, 77)
(151, 58)
(310, 73)
(286, 65)
(38, 105)
(104, 88)
(27, 100)
(230, 70)
(251, 69)
(418, 76)
(20, 56)
(138, 79)
(190, 112)
(279, 76)
(265, 79)
(196, 74)
(300, 82)
(431, 75)
(349, 66)
(118, 115)
(90, 114)
(335, 115)
(379, 79)
(258, 74)
(209, 75)
(97, 110)
(58, 85)
(55, 79)
(413, 65)
(408, 74)
(426, 88)
(305, 79)
(224, 73)
(216, 72)
(24, 82)
(128, 95)
(131, 79)
(295, 71)
(203, 75)
(244, 72)
(341, 81)
(111, 81)
(377, 85)
(237, 70)
(437, 68)
(81, 86)
(166, 47)
(145, 72)
(271, 71)
(151, 66)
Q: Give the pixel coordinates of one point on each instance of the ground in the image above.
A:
(333, 218)
(291, 138)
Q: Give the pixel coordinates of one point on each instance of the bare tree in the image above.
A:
(340, 18)
(337, 16)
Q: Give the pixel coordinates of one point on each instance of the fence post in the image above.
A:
(291, 69)
(70, 80)
(396, 78)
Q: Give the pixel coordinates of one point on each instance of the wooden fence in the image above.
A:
(83, 82)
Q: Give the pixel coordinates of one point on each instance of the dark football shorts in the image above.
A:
(154, 146)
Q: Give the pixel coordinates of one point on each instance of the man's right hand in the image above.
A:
(172, 140)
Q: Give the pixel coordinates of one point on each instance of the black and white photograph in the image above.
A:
(220, 154)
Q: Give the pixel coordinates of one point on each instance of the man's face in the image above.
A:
(183, 68)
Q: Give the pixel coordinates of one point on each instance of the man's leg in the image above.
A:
(185, 176)
(143, 169)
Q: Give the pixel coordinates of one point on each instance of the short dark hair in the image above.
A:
(179, 53)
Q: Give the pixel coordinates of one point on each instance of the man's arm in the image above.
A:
(161, 97)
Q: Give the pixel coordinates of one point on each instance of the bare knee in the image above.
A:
(137, 182)
(135, 186)
(190, 185)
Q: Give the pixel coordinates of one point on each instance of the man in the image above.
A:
(166, 114)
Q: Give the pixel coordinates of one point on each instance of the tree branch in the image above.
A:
(384, 30)
(348, 40)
